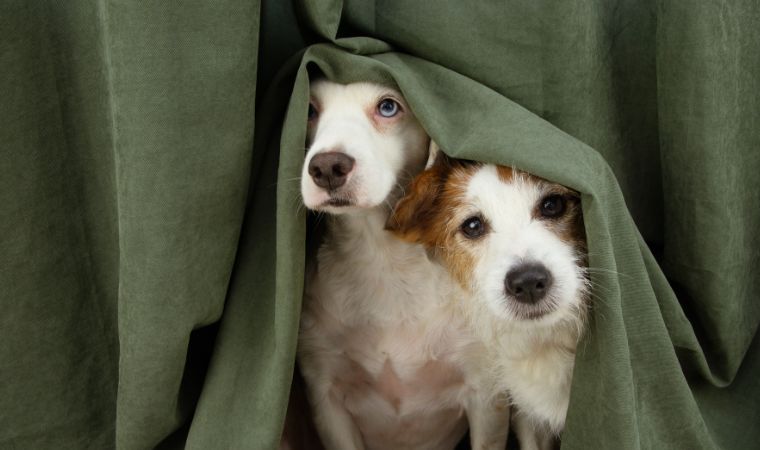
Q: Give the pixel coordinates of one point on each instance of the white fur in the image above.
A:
(380, 330)
(383, 158)
(532, 358)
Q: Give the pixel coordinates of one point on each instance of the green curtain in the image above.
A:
(152, 241)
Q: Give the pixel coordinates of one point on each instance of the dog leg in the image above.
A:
(489, 422)
(335, 425)
(530, 436)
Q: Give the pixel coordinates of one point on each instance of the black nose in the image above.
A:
(329, 170)
(528, 283)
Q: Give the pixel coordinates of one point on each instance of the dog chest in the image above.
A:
(395, 377)
(396, 384)
(540, 384)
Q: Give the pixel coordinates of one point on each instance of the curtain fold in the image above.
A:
(152, 237)
(58, 230)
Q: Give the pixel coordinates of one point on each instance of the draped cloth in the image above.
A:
(152, 238)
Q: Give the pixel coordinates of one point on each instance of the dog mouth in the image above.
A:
(338, 202)
(338, 198)
(531, 312)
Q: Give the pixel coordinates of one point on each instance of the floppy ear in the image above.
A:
(414, 216)
(414, 212)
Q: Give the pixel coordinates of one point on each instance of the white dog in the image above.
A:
(517, 244)
(381, 348)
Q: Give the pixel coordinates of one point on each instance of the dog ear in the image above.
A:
(443, 163)
(415, 214)
(433, 151)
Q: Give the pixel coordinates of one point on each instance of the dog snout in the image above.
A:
(528, 283)
(330, 170)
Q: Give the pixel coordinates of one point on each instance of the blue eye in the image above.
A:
(312, 112)
(388, 107)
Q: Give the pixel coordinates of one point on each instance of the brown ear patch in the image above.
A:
(425, 214)
(505, 173)
(415, 213)
(415, 217)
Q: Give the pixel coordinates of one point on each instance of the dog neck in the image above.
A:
(354, 232)
(526, 340)
(394, 281)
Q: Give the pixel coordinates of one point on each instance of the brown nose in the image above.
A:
(329, 170)
(528, 283)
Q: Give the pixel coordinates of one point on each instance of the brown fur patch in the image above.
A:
(424, 214)
(414, 214)
(505, 173)
(569, 227)
(458, 258)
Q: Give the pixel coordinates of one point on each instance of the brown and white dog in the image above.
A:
(516, 243)
(382, 348)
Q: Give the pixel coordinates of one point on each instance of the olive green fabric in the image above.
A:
(125, 140)
(152, 239)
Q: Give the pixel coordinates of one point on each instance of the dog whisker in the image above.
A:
(601, 289)
(609, 271)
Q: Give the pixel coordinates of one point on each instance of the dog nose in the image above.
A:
(329, 170)
(528, 283)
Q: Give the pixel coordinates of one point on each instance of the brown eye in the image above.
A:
(473, 227)
(312, 112)
(552, 206)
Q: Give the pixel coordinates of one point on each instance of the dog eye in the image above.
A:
(552, 206)
(388, 107)
(473, 227)
(312, 112)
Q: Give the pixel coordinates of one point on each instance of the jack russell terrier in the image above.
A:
(516, 243)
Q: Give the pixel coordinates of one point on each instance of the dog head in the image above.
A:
(514, 240)
(363, 144)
